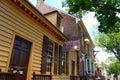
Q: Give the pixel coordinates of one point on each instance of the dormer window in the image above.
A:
(58, 22)
(55, 18)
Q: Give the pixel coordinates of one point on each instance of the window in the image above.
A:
(82, 38)
(65, 63)
(50, 56)
(73, 68)
(92, 67)
(58, 22)
(58, 61)
(47, 55)
(88, 65)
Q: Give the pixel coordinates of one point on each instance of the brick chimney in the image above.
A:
(39, 2)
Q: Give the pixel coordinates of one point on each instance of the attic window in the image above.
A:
(58, 22)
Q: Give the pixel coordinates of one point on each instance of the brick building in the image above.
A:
(76, 32)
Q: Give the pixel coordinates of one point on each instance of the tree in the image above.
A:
(112, 66)
(109, 42)
(106, 12)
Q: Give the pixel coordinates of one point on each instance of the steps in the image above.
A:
(60, 77)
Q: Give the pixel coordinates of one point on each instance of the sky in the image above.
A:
(89, 21)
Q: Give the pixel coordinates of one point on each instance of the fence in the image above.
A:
(78, 78)
(41, 77)
(8, 76)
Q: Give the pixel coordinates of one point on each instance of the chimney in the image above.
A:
(39, 2)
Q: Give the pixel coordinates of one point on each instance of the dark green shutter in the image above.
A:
(44, 54)
(56, 59)
(60, 59)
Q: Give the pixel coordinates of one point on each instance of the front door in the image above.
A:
(20, 57)
(73, 68)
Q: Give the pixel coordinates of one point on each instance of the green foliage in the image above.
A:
(109, 42)
(106, 12)
(113, 66)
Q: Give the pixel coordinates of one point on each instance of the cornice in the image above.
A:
(43, 21)
(80, 23)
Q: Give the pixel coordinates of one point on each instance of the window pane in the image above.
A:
(49, 56)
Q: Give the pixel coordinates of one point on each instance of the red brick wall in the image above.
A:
(70, 26)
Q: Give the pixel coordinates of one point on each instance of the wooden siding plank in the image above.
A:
(38, 48)
(37, 59)
(36, 62)
(6, 29)
(4, 43)
(37, 52)
(4, 53)
(5, 39)
(39, 45)
(36, 65)
(36, 68)
(37, 55)
(4, 48)
(5, 33)
(3, 58)
(36, 71)
(3, 64)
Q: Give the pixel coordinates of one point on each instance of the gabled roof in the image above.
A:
(55, 11)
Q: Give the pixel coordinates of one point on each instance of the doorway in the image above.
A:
(20, 57)
(73, 68)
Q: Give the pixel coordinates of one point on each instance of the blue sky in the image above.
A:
(53, 3)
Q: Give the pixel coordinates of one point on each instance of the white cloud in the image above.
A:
(33, 2)
(90, 21)
(101, 55)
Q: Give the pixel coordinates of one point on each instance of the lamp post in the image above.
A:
(80, 59)
(86, 42)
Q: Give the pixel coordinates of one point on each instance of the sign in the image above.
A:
(71, 45)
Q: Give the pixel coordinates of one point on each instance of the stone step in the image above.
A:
(60, 77)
